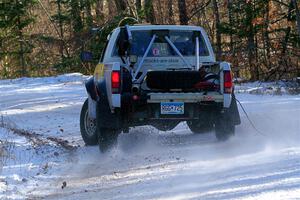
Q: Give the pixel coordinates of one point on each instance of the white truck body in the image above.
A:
(114, 62)
(158, 75)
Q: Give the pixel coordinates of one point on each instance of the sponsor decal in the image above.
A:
(208, 98)
(155, 51)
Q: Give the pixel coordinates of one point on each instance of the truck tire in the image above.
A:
(107, 138)
(198, 127)
(87, 126)
(224, 127)
(107, 135)
(226, 121)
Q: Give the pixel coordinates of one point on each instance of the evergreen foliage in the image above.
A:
(40, 37)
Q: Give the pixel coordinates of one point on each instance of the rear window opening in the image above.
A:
(183, 40)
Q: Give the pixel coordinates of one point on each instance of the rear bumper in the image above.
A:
(185, 97)
(147, 108)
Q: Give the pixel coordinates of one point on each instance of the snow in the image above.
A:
(147, 163)
(272, 88)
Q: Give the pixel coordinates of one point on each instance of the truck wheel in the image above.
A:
(107, 138)
(199, 128)
(87, 126)
(224, 128)
(107, 135)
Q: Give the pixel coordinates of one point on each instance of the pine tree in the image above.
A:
(244, 26)
(62, 19)
(15, 17)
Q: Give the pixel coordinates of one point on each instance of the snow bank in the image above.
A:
(272, 88)
(72, 77)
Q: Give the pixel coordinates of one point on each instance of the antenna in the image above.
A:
(125, 18)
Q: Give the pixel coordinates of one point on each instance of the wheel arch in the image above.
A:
(91, 88)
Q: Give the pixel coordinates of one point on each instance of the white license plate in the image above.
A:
(172, 108)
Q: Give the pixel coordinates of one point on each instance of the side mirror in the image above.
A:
(86, 56)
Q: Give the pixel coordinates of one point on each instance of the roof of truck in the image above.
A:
(163, 27)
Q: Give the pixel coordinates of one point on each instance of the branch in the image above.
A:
(199, 9)
(281, 3)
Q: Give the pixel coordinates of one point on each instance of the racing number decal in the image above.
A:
(99, 71)
(155, 52)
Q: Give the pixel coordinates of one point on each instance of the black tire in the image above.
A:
(226, 121)
(198, 127)
(107, 135)
(87, 126)
(107, 138)
(224, 127)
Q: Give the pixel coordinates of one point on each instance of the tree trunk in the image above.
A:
(266, 32)
(138, 6)
(76, 17)
(99, 11)
(60, 24)
(218, 34)
(183, 18)
(229, 10)
(149, 12)
(161, 18)
(21, 40)
(297, 15)
(120, 5)
(250, 42)
(111, 9)
(170, 13)
(88, 10)
(232, 50)
(21, 52)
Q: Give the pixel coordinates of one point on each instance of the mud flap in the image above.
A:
(106, 118)
(234, 112)
(92, 107)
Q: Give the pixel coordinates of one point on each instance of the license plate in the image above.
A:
(172, 108)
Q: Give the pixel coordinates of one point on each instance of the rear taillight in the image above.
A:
(228, 82)
(115, 81)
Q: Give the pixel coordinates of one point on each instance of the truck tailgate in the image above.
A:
(190, 97)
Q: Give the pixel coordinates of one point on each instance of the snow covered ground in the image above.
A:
(43, 156)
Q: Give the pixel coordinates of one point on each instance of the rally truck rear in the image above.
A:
(158, 75)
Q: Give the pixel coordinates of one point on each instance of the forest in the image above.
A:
(261, 38)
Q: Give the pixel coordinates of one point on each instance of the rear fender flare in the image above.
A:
(91, 89)
(95, 93)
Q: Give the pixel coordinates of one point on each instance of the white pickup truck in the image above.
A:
(158, 75)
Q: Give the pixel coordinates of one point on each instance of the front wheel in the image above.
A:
(87, 126)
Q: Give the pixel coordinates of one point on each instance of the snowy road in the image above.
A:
(147, 164)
